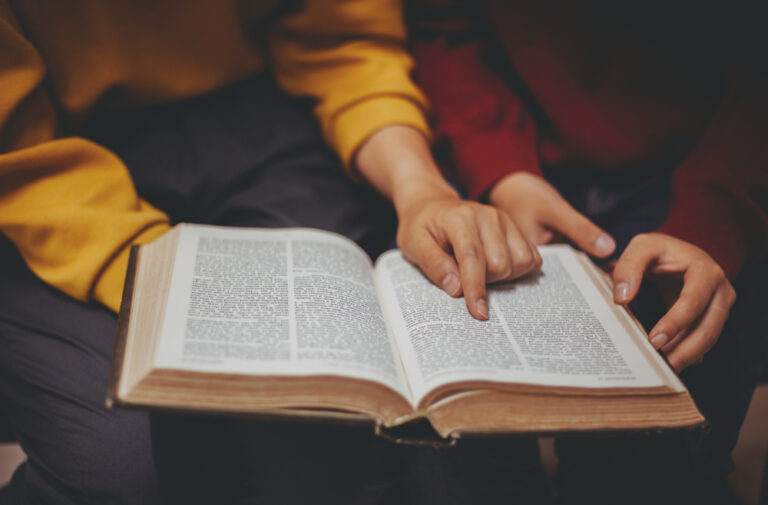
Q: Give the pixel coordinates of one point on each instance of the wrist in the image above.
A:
(500, 192)
(397, 161)
(421, 188)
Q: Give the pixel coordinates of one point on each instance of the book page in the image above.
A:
(553, 328)
(276, 302)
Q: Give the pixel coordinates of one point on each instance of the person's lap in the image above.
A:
(246, 156)
(477, 471)
(299, 462)
(687, 467)
(53, 369)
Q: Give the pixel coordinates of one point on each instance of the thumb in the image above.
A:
(631, 266)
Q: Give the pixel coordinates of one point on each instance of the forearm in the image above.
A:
(71, 209)
(716, 191)
(397, 161)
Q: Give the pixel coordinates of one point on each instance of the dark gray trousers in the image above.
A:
(246, 156)
(675, 468)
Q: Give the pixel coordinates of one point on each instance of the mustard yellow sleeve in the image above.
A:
(68, 204)
(350, 56)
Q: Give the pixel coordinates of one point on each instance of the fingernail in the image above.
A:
(659, 340)
(621, 292)
(604, 245)
(450, 284)
(482, 308)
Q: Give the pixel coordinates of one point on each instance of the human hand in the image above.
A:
(692, 282)
(459, 245)
(541, 214)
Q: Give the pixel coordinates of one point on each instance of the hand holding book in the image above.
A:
(699, 294)
(697, 291)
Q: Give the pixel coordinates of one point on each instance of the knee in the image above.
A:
(110, 462)
(744, 331)
(119, 459)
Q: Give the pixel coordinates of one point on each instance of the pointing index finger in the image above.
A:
(470, 256)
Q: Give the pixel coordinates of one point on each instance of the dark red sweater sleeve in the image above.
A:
(720, 192)
(474, 112)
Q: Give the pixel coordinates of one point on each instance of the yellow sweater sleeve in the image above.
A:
(350, 56)
(68, 205)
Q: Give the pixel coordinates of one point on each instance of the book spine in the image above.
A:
(122, 328)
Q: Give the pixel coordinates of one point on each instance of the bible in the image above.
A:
(301, 323)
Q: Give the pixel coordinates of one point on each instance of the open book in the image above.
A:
(299, 322)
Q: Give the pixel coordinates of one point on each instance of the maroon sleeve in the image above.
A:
(486, 127)
(720, 192)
